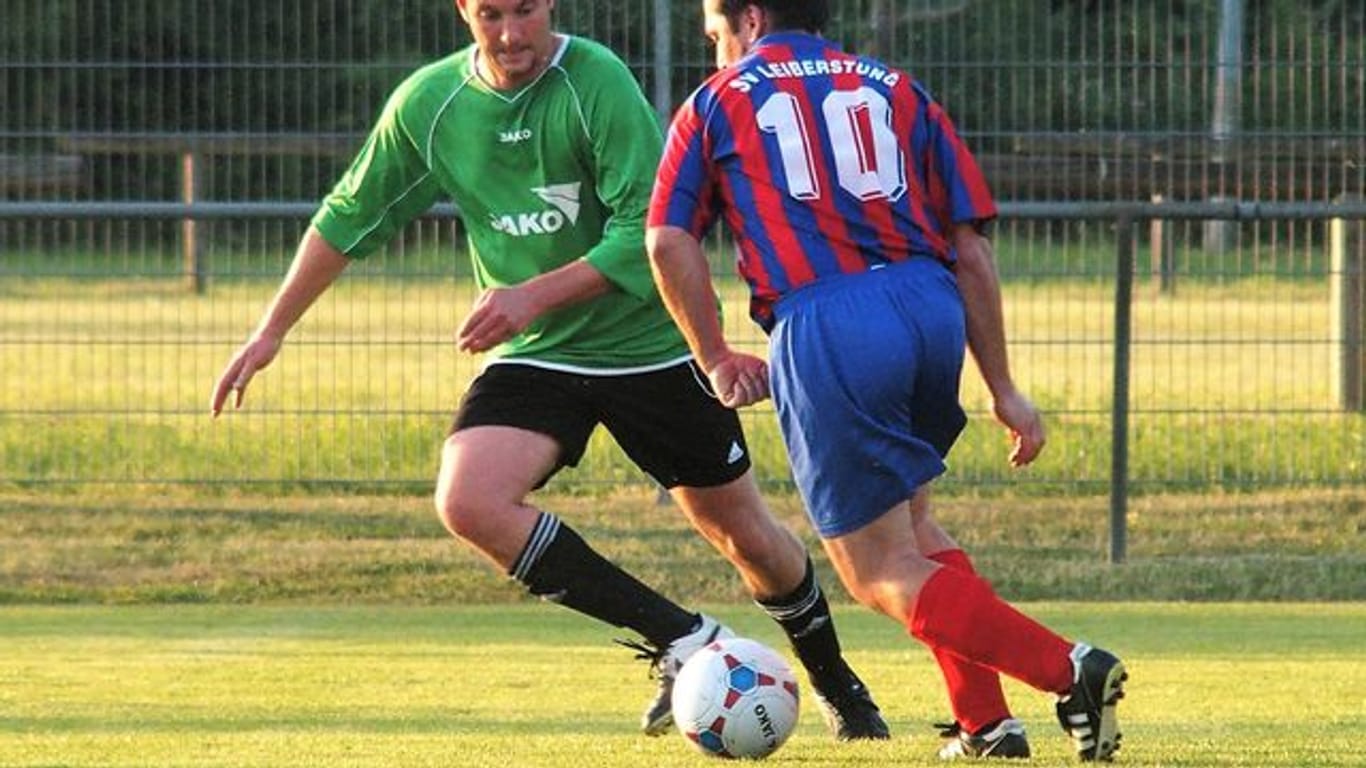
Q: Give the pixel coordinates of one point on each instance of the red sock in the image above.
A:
(959, 613)
(974, 690)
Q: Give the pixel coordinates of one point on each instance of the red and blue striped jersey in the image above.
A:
(821, 163)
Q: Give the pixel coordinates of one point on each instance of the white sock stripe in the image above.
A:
(794, 609)
(547, 525)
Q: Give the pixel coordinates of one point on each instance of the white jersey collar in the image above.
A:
(511, 97)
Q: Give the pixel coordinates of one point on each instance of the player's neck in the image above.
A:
(501, 80)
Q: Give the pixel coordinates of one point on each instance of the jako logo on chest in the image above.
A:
(563, 208)
(514, 135)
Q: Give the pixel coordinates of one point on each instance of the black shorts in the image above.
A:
(667, 421)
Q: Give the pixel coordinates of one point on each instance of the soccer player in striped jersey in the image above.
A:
(858, 214)
(547, 146)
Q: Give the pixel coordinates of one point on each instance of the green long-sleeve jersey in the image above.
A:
(558, 170)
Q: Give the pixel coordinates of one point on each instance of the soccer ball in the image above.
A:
(736, 698)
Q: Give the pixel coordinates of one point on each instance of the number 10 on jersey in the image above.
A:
(869, 164)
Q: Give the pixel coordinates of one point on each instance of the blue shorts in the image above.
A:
(864, 371)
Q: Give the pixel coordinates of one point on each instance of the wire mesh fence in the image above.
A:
(159, 160)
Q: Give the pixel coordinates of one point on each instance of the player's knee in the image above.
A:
(461, 511)
(456, 506)
(446, 509)
(888, 598)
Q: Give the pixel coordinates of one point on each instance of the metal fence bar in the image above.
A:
(1079, 211)
(1233, 210)
(1347, 295)
(662, 64)
(1126, 233)
(156, 209)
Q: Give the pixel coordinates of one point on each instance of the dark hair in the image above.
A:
(808, 15)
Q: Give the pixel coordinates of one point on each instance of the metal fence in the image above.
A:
(1181, 240)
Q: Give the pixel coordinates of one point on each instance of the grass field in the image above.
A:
(1211, 685)
(145, 623)
(108, 380)
(188, 629)
(160, 547)
(108, 362)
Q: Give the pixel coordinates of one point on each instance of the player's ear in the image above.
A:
(753, 23)
(460, 8)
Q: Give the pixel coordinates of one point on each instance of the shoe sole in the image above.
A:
(842, 731)
(660, 726)
(1108, 735)
(950, 753)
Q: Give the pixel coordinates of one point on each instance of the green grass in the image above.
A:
(145, 628)
(126, 546)
(108, 380)
(1211, 685)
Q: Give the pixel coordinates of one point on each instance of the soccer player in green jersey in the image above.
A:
(547, 146)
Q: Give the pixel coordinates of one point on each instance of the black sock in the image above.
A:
(558, 565)
(805, 616)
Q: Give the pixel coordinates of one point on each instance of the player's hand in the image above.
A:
(498, 315)
(739, 379)
(253, 356)
(1025, 425)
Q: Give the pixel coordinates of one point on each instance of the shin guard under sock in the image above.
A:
(558, 565)
(974, 690)
(959, 613)
(804, 616)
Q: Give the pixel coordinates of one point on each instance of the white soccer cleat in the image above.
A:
(664, 666)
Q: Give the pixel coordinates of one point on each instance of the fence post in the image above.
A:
(192, 252)
(663, 61)
(1125, 234)
(1163, 253)
(1347, 289)
(1219, 234)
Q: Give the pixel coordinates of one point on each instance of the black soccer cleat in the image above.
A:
(848, 708)
(1006, 739)
(1087, 713)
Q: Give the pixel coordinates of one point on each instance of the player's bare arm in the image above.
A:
(501, 313)
(981, 290)
(684, 279)
(316, 265)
